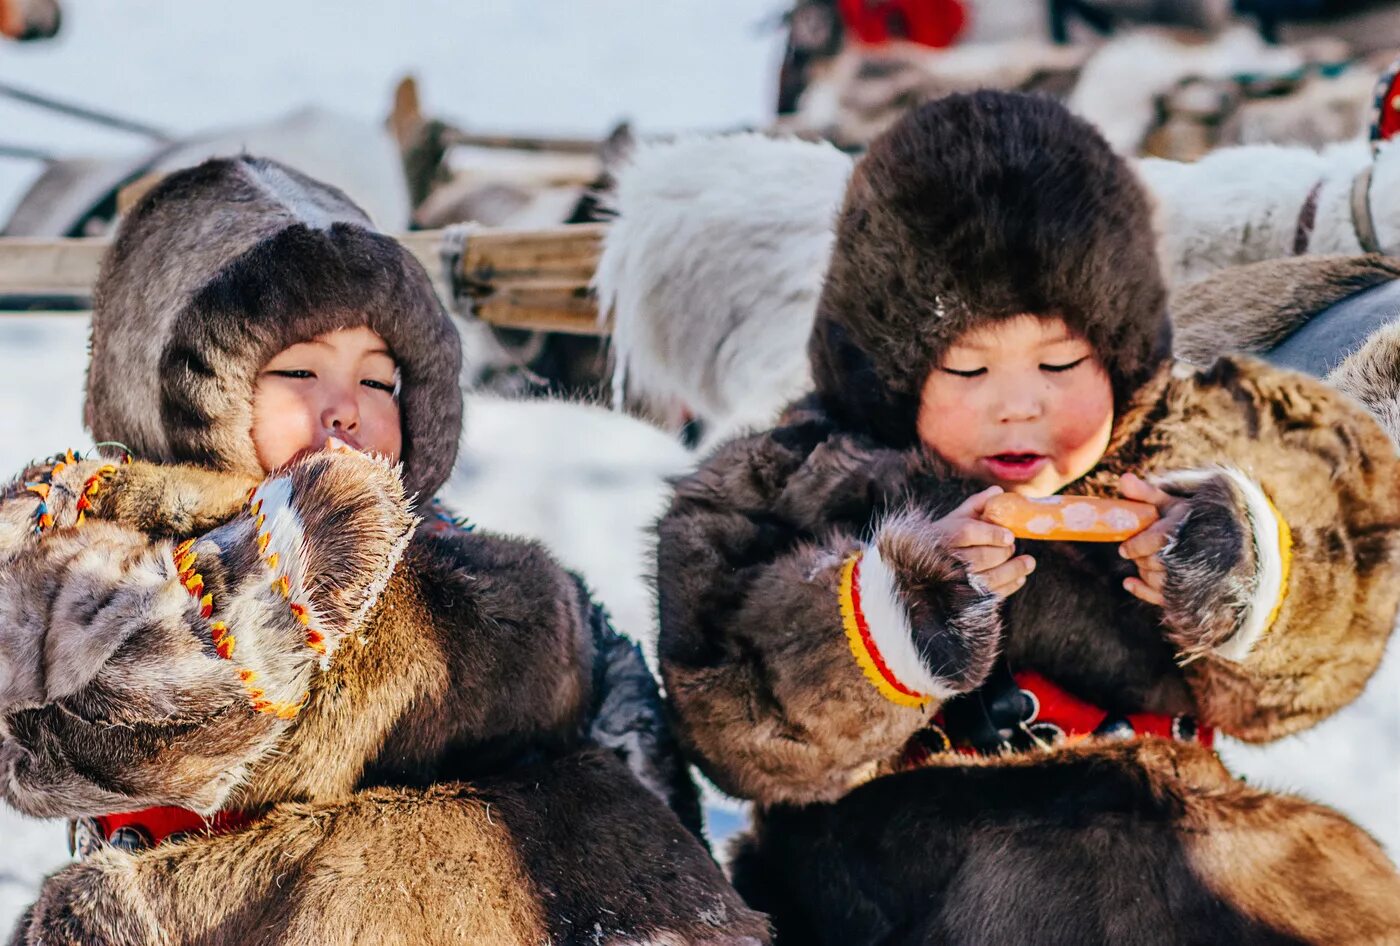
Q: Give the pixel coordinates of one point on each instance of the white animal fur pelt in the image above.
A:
(1242, 205)
(712, 270)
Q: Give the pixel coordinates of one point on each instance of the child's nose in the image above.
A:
(341, 413)
(1023, 405)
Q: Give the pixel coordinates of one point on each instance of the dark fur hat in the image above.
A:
(222, 266)
(978, 207)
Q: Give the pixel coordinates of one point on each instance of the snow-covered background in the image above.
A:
(585, 480)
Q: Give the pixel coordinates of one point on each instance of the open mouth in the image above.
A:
(1016, 467)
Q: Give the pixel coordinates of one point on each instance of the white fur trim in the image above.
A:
(888, 621)
(1268, 558)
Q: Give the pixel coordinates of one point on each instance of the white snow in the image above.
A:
(585, 481)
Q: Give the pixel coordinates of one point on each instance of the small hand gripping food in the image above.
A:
(1069, 518)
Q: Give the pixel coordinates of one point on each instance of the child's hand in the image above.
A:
(985, 549)
(1145, 548)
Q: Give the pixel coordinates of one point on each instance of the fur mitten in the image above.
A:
(211, 642)
(1223, 564)
(955, 625)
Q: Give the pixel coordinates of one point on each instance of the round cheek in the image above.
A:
(382, 427)
(948, 422)
(1083, 423)
(282, 425)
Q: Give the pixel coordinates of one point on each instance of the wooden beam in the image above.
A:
(526, 279)
(49, 266)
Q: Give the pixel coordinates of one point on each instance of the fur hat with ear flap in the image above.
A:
(222, 266)
(972, 209)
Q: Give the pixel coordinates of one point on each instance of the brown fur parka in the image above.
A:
(435, 732)
(1283, 586)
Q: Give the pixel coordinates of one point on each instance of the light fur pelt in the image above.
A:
(1371, 374)
(712, 269)
(1242, 205)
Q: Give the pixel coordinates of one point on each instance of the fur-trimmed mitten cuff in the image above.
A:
(283, 583)
(1226, 566)
(916, 623)
(165, 669)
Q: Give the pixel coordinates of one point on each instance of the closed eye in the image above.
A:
(297, 373)
(966, 374)
(1058, 368)
(378, 385)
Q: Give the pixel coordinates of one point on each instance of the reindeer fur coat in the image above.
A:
(434, 731)
(1283, 586)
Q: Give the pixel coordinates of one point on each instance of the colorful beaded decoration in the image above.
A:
(222, 637)
(43, 488)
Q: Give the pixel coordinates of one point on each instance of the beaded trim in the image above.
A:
(224, 639)
(43, 488)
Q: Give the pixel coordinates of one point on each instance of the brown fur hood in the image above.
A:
(224, 265)
(978, 207)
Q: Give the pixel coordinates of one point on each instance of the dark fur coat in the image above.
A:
(979, 207)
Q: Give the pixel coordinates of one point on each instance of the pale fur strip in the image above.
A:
(1264, 526)
(888, 620)
(1268, 551)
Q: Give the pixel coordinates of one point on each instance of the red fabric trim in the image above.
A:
(1079, 718)
(936, 23)
(869, 641)
(1388, 121)
(160, 823)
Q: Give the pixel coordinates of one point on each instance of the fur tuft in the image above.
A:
(712, 270)
(1371, 375)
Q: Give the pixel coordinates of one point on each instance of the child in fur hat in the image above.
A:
(243, 619)
(953, 736)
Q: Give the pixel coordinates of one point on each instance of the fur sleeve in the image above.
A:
(1287, 586)
(797, 656)
(502, 658)
(136, 671)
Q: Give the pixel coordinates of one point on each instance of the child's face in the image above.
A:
(1023, 404)
(340, 385)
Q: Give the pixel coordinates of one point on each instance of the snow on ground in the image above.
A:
(585, 481)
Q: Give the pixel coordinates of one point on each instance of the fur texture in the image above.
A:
(992, 853)
(1094, 842)
(1119, 85)
(740, 266)
(1242, 205)
(399, 704)
(1253, 308)
(1371, 374)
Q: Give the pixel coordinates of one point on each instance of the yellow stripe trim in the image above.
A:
(1285, 550)
(857, 644)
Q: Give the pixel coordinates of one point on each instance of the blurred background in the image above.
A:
(523, 113)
